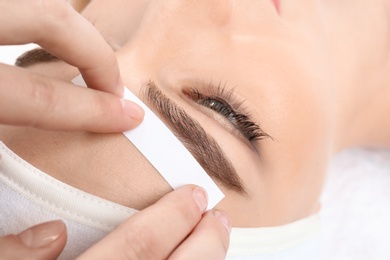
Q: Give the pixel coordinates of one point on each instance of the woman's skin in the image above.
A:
(313, 74)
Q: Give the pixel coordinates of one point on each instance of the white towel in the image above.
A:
(356, 205)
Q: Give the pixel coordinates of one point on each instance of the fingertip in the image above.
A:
(104, 79)
(200, 197)
(42, 241)
(208, 240)
(43, 234)
(132, 109)
(222, 217)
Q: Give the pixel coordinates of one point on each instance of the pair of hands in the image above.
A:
(177, 225)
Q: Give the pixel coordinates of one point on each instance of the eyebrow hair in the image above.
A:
(34, 56)
(202, 146)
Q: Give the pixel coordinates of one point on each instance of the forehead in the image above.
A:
(196, 30)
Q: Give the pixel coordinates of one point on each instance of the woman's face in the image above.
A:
(220, 60)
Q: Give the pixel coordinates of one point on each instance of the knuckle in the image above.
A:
(140, 243)
(43, 95)
(103, 106)
(56, 8)
(53, 13)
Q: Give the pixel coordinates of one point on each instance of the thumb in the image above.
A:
(43, 241)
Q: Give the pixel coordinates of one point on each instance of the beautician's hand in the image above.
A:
(30, 99)
(173, 228)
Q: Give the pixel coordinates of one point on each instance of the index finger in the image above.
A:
(156, 231)
(57, 27)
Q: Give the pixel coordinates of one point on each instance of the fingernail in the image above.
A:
(132, 109)
(224, 219)
(200, 198)
(43, 234)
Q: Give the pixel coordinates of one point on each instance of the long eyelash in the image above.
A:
(223, 102)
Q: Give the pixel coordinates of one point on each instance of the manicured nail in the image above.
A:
(224, 219)
(43, 234)
(132, 109)
(200, 198)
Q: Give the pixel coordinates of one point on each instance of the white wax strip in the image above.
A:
(166, 153)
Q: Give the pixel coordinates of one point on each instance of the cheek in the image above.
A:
(299, 116)
(294, 100)
(302, 148)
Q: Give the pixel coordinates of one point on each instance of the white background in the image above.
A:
(8, 54)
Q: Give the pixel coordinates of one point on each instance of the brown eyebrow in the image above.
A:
(34, 56)
(201, 145)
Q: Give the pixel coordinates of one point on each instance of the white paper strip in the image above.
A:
(166, 153)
